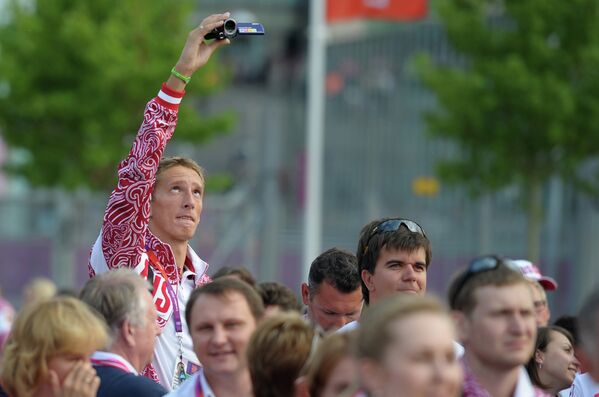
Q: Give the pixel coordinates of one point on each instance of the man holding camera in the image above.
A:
(154, 211)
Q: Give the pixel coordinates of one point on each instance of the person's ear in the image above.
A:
(539, 357)
(367, 278)
(305, 294)
(128, 332)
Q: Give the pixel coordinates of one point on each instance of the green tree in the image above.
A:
(74, 78)
(523, 104)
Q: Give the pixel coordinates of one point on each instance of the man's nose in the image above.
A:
(188, 201)
(518, 324)
(408, 273)
(219, 335)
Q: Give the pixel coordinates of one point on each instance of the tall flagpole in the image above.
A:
(315, 133)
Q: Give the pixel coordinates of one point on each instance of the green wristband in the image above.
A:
(178, 75)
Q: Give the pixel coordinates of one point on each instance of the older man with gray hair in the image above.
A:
(124, 299)
(587, 384)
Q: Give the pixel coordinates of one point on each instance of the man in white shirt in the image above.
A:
(587, 384)
(221, 318)
(393, 258)
(124, 300)
(154, 211)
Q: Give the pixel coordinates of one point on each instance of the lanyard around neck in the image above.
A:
(175, 302)
(199, 391)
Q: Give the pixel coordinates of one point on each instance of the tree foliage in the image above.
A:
(523, 102)
(74, 78)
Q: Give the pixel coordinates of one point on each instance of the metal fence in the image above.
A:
(376, 153)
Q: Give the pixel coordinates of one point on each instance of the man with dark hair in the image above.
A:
(221, 318)
(277, 298)
(393, 257)
(332, 295)
(493, 308)
(124, 300)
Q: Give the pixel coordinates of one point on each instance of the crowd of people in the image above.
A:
(151, 321)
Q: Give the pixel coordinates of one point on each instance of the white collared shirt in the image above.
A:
(187, 388)
(106, 358)
(584, 386)
(524, 387)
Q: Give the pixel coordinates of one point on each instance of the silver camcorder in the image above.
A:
(232, 28)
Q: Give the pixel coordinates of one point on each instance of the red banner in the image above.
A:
(397, 10)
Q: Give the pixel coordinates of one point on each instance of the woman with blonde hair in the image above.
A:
(48, 351)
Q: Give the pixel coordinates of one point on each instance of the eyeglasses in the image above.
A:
(479, 265)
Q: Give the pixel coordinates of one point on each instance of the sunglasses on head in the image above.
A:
(392, 225)
(480, 265)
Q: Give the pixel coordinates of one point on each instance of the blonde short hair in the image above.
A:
(170, 162)
(42, 331)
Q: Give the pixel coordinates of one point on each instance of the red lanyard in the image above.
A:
(175, 302)
(199, 391)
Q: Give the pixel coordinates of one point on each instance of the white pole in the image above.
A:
(315, 133)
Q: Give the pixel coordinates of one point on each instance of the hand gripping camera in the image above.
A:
(232, 28)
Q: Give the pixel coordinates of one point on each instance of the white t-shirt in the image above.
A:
(524, 387)
(584, 386)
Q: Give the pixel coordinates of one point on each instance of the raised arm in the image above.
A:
(125, 224)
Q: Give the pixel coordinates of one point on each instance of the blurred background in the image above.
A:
(476, 119)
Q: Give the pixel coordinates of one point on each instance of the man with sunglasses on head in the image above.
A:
(393, 258)
(492, 305)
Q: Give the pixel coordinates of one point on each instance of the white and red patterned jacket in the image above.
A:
(125, 236)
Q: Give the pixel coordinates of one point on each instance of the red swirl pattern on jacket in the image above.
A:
(125, 235)
(125, 230)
